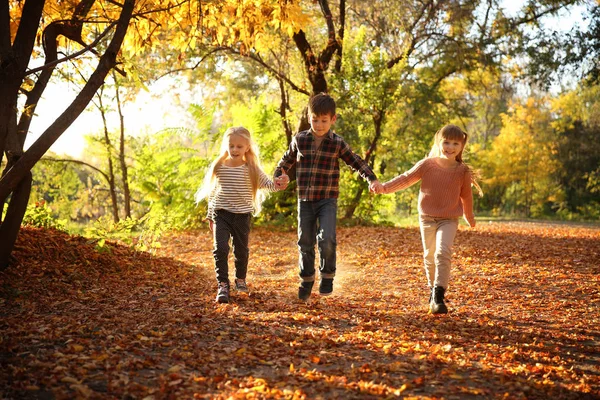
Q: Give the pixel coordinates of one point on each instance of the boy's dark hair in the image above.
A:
(321, 104)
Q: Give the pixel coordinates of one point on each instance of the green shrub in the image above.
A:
(40, 216)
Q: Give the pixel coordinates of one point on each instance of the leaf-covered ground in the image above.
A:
(524, 319)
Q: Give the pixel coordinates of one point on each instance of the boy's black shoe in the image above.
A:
(304, 290)
(326, 287)
(437, 305)
(223, 293)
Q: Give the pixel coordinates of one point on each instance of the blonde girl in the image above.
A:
(232, 187)
(444, 197)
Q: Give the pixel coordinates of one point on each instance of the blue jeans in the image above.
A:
(316, 225)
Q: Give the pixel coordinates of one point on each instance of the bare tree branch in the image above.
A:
(204, 57)
(22, 167)
(74, 55)
(68, 160)
(271, 70)
(338, 61)
(332, 43)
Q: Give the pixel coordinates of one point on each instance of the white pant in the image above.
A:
(438, 236)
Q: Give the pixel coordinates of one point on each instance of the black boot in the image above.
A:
(326, 287)
(437, 305)
(304, 290)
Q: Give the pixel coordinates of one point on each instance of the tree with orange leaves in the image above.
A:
(104, 34)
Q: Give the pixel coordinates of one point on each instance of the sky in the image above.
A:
(161, 107)
(164, 106)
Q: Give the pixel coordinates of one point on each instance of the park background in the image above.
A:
(107, 288)
(525, 92)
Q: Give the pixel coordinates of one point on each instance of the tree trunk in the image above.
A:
(378, 122)
(9, 229)
(303, 123)
(17, 179)
(8, 125)
(338, 60)
(354, 203)
(14, 57)
(122, 161)
(316, 67)
(9, 181)
(111, 171)
(283, 107)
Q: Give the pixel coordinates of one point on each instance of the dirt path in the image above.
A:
(523, 323)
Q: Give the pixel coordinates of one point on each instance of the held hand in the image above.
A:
(278, 183)
(376, 187)
(372, 187)
(282, 180)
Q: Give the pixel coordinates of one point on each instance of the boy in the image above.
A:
(317, 152)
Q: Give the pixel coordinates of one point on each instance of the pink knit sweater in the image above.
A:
(445, 192)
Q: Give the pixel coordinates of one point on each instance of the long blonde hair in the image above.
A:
(453, 132)
(252, 161)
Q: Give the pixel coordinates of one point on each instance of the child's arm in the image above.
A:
(288, 159)
(264, 182)
(359, 165)
(466, 197)
(210, 212)
(214, 191)
(405, 180)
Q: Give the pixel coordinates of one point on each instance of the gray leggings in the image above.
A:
(438, 236)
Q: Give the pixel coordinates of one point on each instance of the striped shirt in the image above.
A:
(233, 191)
(318, 169)
(445, 192)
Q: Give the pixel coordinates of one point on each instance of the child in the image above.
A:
(445, 195)
(317, 152)
(232, 186)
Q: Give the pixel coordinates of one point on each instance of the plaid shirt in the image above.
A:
(318, 170)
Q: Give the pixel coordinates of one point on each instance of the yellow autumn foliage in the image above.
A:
(179, 25)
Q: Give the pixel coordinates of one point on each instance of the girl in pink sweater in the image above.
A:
(444, 197)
